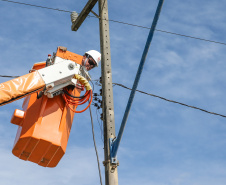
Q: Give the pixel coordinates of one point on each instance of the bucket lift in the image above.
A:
(52, 93)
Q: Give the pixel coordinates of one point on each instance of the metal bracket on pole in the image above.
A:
(111, 145)
(82, 16)
(94, 13)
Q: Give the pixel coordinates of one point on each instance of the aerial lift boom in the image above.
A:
(52, 93)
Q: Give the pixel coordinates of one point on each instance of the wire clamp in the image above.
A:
(106, 162)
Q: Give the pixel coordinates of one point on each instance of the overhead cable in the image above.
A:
(100, 125)
(6, 76)
(216, 42)
(120, 22)
(94, 142)
(150, 95)
(168, 32)
(172, 101)
(27, 4)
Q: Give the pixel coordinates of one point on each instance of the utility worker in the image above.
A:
(91, 59)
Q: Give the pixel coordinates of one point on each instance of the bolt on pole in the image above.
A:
(111, 174)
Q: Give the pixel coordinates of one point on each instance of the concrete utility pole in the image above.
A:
(111, 173)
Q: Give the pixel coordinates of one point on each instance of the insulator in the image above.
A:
(74, 16)
(49, 60)
(95, 105)
(101, 116)
(95, 94)
(95, 99)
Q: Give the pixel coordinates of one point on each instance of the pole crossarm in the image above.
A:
(82, 16)
(114, 144)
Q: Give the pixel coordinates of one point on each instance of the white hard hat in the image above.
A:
(95, 55)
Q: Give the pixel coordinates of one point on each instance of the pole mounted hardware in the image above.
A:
(113, 158)
(77, 20)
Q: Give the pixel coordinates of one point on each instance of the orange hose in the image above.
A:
(72, 101)
(78, 101)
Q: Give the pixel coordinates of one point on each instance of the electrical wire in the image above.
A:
(66, 92)
(120, 22)
(197, 38)
(70, 101)
(6, 76)
(163, 31)
(37, 6)
(172, 101)
(92, 84)
(101, 130)
(168, 32)
(19, 97)
(94, 142)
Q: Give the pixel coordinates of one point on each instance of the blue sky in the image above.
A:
(163, 143)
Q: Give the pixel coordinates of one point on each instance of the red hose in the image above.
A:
(78, 101)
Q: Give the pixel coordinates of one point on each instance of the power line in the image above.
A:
(6, 76)
(172, 101)
(139, 27)
(94, 142)
(120, 22)
(168, 32)
(216, 42)
(100, 125)
(27, 4)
